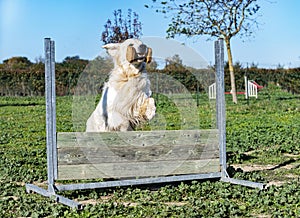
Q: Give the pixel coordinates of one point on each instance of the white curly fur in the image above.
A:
(125, 100)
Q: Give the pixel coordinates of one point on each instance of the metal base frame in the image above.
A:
(130, 182)
(109, 184)
(52, 152)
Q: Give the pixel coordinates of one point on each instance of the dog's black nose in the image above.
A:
(142, 49)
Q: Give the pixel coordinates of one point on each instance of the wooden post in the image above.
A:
(246, 87)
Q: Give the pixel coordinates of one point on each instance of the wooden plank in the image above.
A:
(136, 138)
(133, 154)
(134, 170)
(81, 155)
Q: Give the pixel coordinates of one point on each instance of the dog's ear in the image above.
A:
(149, 55)
(112, 48)
(131, 54)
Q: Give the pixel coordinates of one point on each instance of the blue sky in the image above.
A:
(76, 26)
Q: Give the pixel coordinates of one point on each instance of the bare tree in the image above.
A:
(214, 18)
(122, 28)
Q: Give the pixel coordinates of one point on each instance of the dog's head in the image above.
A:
(130, 55)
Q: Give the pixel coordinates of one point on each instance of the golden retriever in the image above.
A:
(126, 98)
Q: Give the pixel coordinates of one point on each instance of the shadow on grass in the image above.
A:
(13, 104)
(285, 98)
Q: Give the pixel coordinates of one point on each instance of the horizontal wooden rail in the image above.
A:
(138, 154)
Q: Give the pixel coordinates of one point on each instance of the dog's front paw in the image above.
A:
(150, 109)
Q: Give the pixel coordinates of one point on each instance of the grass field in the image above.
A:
(263, 145)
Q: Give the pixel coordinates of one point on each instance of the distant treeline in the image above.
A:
(20, 77)
(287, 79)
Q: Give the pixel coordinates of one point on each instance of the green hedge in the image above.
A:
(88, 76)
(287, 79)
(30, 80)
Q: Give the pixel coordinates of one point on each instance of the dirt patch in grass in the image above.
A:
(105, 199)
(276, 174)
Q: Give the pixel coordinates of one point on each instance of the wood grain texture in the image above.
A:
(136, 154)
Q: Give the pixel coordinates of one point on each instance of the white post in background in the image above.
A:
(246, 88)
(212, 91)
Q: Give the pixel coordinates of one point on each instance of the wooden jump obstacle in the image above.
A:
(251, 89)
(132, 158)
